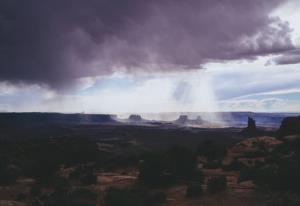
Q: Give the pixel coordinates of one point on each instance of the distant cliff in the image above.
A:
(53, 118)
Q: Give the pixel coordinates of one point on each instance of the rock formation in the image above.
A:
(251, 124)
(290, 126)
(184, 120)
(135, 118)
(251, 129)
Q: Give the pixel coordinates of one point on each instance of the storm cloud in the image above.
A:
(55, 42)
(289, 57)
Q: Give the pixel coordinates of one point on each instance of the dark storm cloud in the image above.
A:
(54, 42)
(289, 57)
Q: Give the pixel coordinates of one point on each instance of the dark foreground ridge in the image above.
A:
(137, 164)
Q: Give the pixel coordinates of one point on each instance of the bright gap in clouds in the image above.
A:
(188, 92)
(122, 93)
(221, 87)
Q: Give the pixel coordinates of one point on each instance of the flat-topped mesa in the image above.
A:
(182, 119)
(101, 118)
(199, 120)
(135, 118)
(290, 126)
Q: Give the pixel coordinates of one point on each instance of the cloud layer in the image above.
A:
(55, 42)
(289, 57)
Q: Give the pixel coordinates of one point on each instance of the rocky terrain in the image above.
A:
(123, 164)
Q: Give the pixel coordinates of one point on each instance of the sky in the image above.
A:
(132, 56)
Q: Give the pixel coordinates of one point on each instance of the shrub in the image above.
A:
(83, 194)
(79, 197)
(21, 197)
(281, 199)
(213, 164)
(151, 170)
(216, 184)
(7, 177)
(88, 179)
(118, 197)
(35, 190)
(235, 165)
(247, 173)
(157, 198)
(211, 150)
(193, 190)
(180, 162)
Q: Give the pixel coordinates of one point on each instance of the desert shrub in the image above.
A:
(280, 199)
(279, 172)
(235, 165)
(193, 190)
(118, 197)
(197, 176)
(180, 162)
(157, 198)
(79, 197)
(255, 153)
(88, 179)
(132, 197)
(35, 190)
(83, 194)
(216, 184)
(60, 185)
(75, 175)
(247, 173)
(65, 201)
(211, 150)
(213, 164)
(21, 197)
(7, 176)
(284, 176)
(151, 170)
(282, 169)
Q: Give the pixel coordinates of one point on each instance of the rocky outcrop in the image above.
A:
(251, 129)
(184, 120)
(290, 126)
(101, 118)
(135, 118)
(198, 120)
(251, 150)
(251, 124)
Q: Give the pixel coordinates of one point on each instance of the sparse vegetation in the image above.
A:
(68, 171)
(216, 184)
(176, 164)
(118, 196)
(194, 190)
(212, 150)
